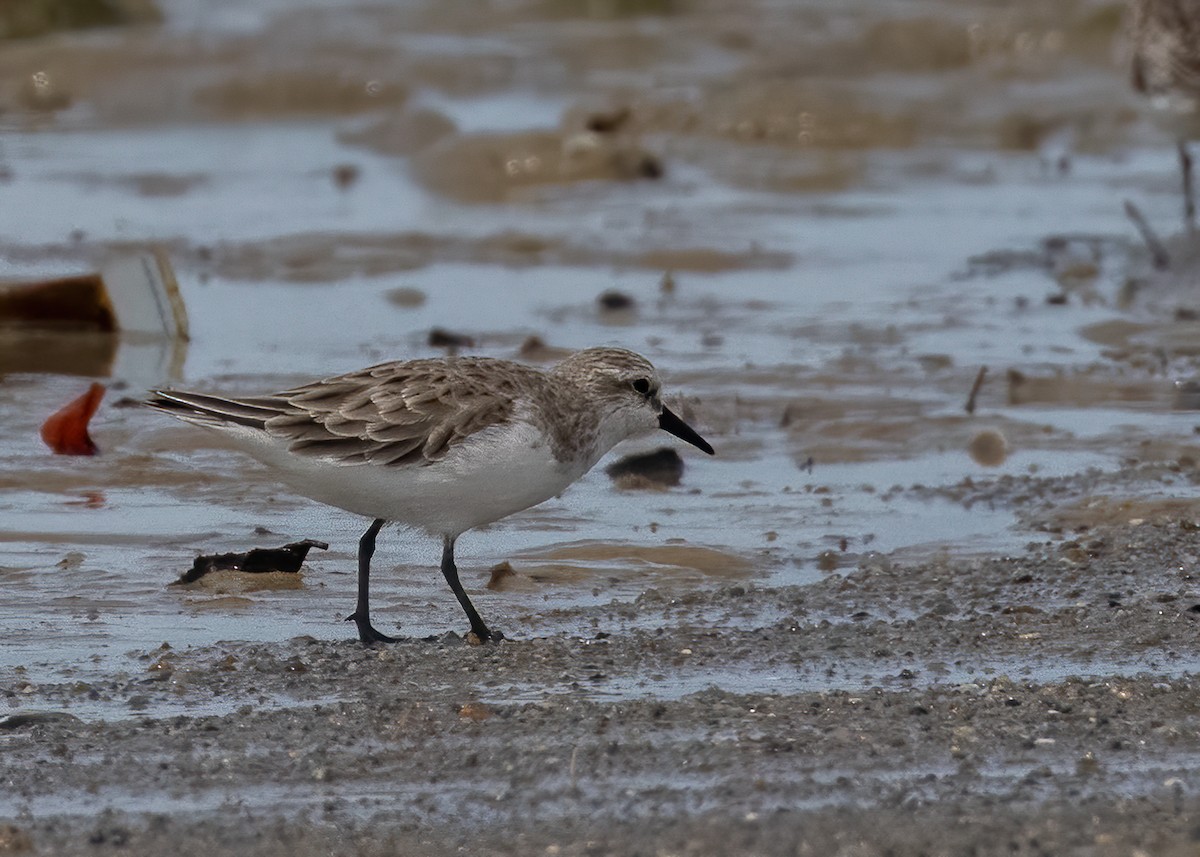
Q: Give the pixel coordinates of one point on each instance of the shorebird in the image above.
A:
(442, 445)
(1166, 68)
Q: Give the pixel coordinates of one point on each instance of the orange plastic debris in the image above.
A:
(66, 432)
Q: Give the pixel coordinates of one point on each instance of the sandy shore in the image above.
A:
(554, 745)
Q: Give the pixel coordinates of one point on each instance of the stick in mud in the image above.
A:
(970, 406)
(1158, 253)
(1189, 190)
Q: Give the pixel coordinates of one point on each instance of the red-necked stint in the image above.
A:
(1166, 68)
(443, 445)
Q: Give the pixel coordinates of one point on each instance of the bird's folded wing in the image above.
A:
(396, 414)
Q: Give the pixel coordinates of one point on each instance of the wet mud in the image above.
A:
(1035, 704)
(911, 607)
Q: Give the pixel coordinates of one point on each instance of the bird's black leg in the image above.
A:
(450, 570)
(362, 610)
(1189, 190)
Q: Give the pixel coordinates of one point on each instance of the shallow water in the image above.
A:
(844, 304)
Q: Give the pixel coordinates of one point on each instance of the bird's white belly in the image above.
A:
(499, 471)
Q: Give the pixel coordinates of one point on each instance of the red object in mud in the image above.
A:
(66, 432)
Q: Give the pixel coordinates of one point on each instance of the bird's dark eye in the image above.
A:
(642, 386)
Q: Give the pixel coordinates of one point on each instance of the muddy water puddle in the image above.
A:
(818, 278)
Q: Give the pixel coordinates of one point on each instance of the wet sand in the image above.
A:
(1037, 704)
(875, 623)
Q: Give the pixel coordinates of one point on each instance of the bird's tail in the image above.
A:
(213, 411)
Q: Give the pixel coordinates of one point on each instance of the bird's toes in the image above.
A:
(483, 638)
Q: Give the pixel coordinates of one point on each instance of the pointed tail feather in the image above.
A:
(207, 410)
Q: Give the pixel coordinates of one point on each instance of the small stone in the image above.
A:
(405, 296)
(74, 559)
(442, 338)
(614, 301)
(608, 122)
(345, 175)
(535, 349)
(502, 577)
(875, 561)
(475, 711)
(1087, 765)
(662, 468)
(28, 719)
(988, 448)
(14, 840)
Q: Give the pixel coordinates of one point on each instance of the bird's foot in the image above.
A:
(367, 632)
(483, 636)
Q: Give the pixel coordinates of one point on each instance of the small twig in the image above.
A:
(975, 389)
(1158, 253)
(574, 781)
(1189, 191)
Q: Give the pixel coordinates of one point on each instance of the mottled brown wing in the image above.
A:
(1187, 62)
(1166, 36)
(391, 414)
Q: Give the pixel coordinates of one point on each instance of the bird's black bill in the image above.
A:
(667, 421)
